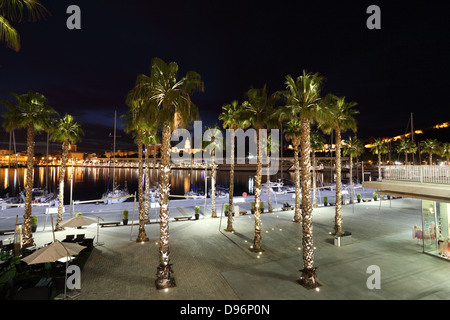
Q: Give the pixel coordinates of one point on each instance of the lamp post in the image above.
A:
(71, 202)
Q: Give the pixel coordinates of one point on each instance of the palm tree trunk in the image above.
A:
(164, 278)
(142, 235)
(297, 211)
(431, 158)
(352, 187)
(147, 185)
(257, 238)
(154, 164)
(338, 215)
(379, 166)
(406, 158)
(62, 174)
(231, 191)
(308, 277)
(27, 233)
(213, 190)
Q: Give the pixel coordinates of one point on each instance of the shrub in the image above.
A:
(197, 209)
(79, 214)
(34, 220)
(125, 214)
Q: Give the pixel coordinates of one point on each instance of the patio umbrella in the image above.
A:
(52, 253)
(78, 221)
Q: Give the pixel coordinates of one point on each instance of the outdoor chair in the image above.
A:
(79, 238)
(69, 238)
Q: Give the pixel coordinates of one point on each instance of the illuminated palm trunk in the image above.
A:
(230, 201)
(213, 190)
(379, 166)
(352, 187)
(142, 235)
(62, 174)
(164, 278)
(297, 212)
(338, 214)
(308, 277)
(147, 185)
(27, 233)
(257, 238)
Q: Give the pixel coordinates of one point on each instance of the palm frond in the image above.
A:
(9, 35)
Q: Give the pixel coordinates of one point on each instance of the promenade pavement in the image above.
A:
(211, 264)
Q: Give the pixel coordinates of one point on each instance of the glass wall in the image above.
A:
(436, 228)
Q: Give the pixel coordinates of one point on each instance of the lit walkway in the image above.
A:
(211, 264)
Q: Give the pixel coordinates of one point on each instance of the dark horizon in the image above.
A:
(393, 72)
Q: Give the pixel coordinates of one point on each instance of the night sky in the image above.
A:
(233, 45)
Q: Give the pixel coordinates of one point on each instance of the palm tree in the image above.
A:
(406, 146)
(303, 97)
(30, 111)
(232, 119)
(353, 147)
(215, 144)
(259, 110)
(292, 131)
(13, 10)
(446, 151)
(168, 97)
(338, 115)
(379, 147)
(134, 122)
(67, 131)
(430, 146)
(317, 143)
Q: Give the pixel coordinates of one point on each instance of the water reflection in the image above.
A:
(91, 183)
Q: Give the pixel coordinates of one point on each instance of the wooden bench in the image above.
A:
(242, 212)
(183, 218)
(104, 224)
(6, 231)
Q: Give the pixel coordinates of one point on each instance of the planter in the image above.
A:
(197, 210)
(359, 200)
(34, 220)
(343, 239)
(325, 204)
(125, 222)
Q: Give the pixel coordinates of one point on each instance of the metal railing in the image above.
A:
(422, 174)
